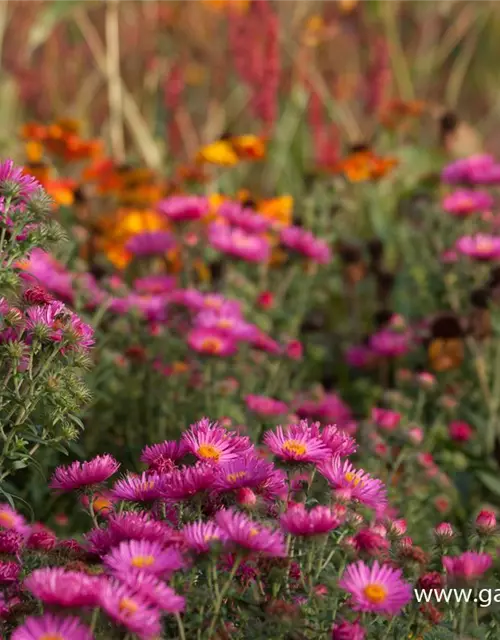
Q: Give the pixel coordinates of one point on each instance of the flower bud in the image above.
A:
(486, 522)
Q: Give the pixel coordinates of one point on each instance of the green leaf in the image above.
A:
(47, 21)
(490, 481)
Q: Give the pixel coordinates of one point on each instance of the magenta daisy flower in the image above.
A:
(465, 170)
(481, 246)
(186, 482)
(153, 590)
(139, 526)
(296, 443)
(246, 534)
(235, 242)
(211, 342)
(84, 474)
(229, 324)
(9, 572)
(247, 471)
(55, 586)
(11, 542)
(144, 488)
(12, 521)
(49, 627)
(265, 406)
(14, 182)
(243, 217)
(469, 566)
(199, 536)
(305, 243)
(162, 456)
(130, 609)
(377, 589)
(354, 484)
(345, 630)
(318, 521)
(150, 243)
(151, 557)
(465, 201)
(100, 541)
(338, 441)
(184, 208)
(210, 442)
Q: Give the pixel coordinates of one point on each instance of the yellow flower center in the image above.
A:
(484, 245)
(210, 536)
(127, 605)
(295, 447)
(253, 531)
(208, 451)
(353, 479)
(147, 486)
(233, 477)
(52, 636)
(211, 345)
(465, 202)
(225, 323)
(375, 593)
(101, 504)
(142, 561)
(6, 519)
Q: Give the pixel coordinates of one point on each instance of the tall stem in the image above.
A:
(113, 77)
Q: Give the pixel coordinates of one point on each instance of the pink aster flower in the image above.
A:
(151, 557)
(12, 521)
(243, 217)
(9, 572)
(153, 590)
(359, 356)
(211, 342)
(130, 609)
(235, 242)
(464, 202)
(13, 179)
(144, 488)
(186, 482)
(138, 526)
(318, 521)
(338, 441)
(345, 630)
(11, 542)
(389, 343)
(227, 323)
(305, 243)
(296, 443)
(486, 522)
(162, 457)
(49, 627)
(370, 541)
(469, 566)
(210, 442)
(199, 536)
(466, 170)
(377, 589)
(385, 418)
(249, 535)
(150, 243)
(78, 474)
(244, 471)
(480, 246)
(184, 208)
(100, 541)
(265, 406)
(460, 431)
(354, 484)
(43, 269)
(58, 587)
(155, 284)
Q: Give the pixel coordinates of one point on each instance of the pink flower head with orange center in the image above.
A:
(300, 522)
(377, 589)
(50, 627)
(235, 242)
(164, 455)
(186, 482)
(58, 587)
(266, 406)
(151, 557)
(226, 323)
(200, 536)
(144, 488)
(354, 484)
(210, 442)
(244, 471)
(246, 534)
(211, 342)
(128, 607)
(306, 244)
(296, 443)
(480, 246)
(465, 201)
(78, 475)
(12, 521)
(153, 590)
(469, 566)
